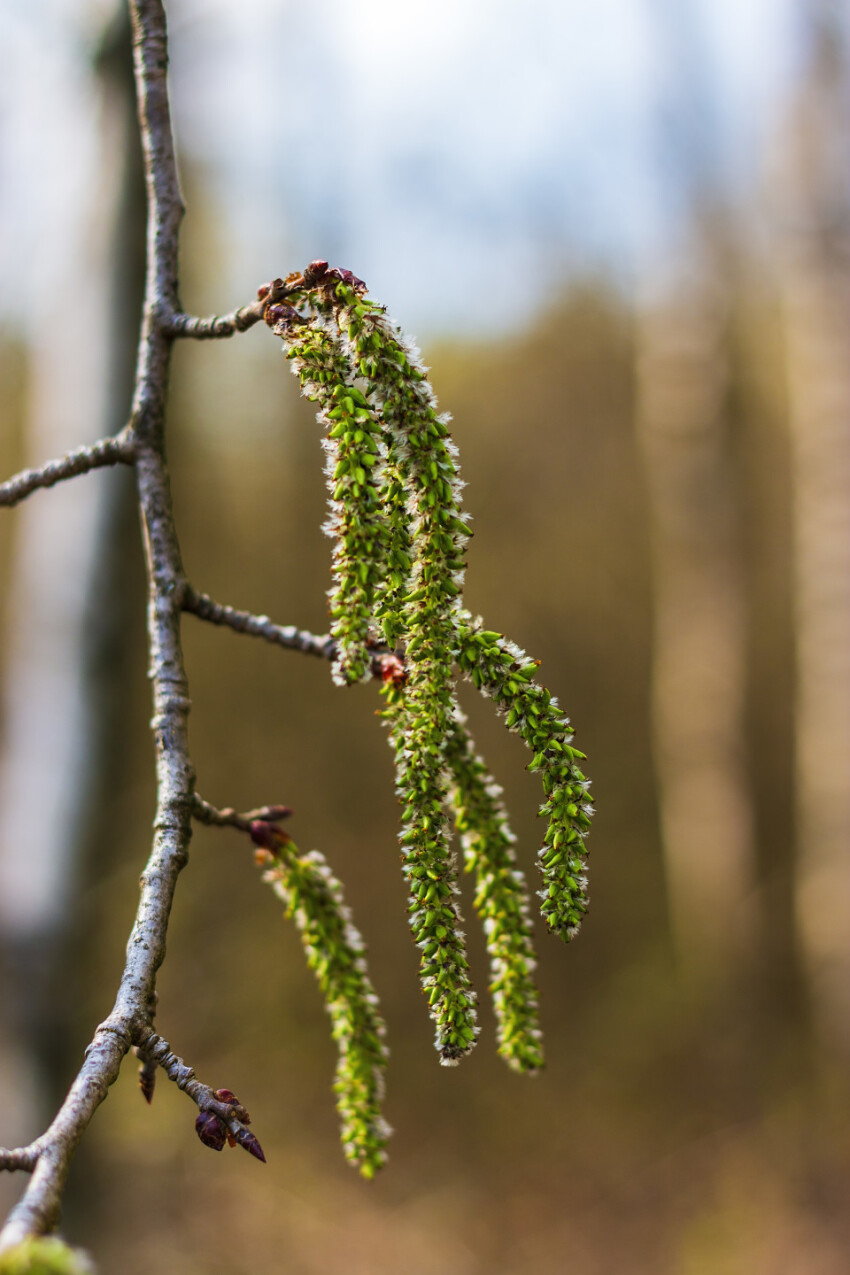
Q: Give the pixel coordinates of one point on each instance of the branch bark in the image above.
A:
(107, 451)
(203, 606)
(129, 1022)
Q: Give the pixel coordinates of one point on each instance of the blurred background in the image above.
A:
(622, 235)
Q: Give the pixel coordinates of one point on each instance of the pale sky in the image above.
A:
(422, 144)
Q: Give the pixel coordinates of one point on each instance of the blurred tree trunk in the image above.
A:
(813, 221)
(699, 646)
(63, 624)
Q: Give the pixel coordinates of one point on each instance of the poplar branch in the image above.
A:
(107, 451)
(129, 1022)
(20, 1158)
(218, 326)
(321, 645)
(203, 606)
(222, 1109)
(210, 815)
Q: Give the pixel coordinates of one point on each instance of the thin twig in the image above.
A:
(383, 663)
(217, 325)
(203, 606)
(107, 451)
(225, 325)
(221, 1104)
(208, 814)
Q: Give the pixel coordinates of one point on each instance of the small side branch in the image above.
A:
(20, 1158)
(107, 451)
(217, 325)
(203, 606)
(221, 1115)
(206, 813)
(384, 664)
(225, 325)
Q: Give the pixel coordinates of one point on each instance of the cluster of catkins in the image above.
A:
(396, 611)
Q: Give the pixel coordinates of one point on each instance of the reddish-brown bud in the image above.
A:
(211, 1130)
(249, 1143)
(147, 1080)
(393, 670)
(273, 813)
(268, 836)
(282, 317)
(263, 290)
(228, 1096)
(315, 272)
(347, 277)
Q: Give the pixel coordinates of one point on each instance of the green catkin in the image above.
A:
(336, 954)
(501, 898)
(353, 469)
(44, 1257)
(425, 579)
(429, 867)
(399, 566)
(421, 488)
(502, 671)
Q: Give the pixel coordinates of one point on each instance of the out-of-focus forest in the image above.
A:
(659, 475)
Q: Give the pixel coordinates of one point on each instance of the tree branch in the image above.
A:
(107, 451)
(37, 1212)
(224, 325)
(220, 1106)
(20, 1158)
(203, 606)
(208, 814)
(383, 664)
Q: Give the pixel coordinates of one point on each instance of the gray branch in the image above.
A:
(321, 645)
(221, 1104)
(20, 1158)
(142, 444)
(203, 606)
(107, 451)
(218, 325)
(227, 817)
(129, 1023)
(224, 325)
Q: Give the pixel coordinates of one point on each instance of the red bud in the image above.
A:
(228, 1096)
(346, 276)
(392, 670)
(268, 836)
(315, 272)
(211, 1130)
(249, 1143)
